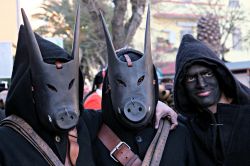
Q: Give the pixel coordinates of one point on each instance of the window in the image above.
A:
(233, 3)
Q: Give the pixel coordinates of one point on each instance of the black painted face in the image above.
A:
(202, 86)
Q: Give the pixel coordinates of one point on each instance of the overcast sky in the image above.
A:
(31, 7)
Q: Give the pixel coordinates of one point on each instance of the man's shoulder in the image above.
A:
(182, 129)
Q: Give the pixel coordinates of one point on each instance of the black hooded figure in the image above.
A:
(216, 104)
(130, 94)
(44, 93)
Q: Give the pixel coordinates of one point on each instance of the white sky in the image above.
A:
(31, 7)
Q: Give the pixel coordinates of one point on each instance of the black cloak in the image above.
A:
(178, 151)
(14, 149)
(224, 144)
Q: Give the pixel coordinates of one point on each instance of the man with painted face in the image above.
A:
(217, 106)
(130, 94)
(42, 107)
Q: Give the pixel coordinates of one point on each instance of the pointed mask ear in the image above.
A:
(35, 56)
(76, 41)
(112, 58)
(147, 41)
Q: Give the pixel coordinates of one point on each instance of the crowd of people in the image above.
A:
(49, 123)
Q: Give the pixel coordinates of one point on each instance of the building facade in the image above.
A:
(171, 19)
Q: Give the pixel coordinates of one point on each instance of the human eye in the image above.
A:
(208, 74)
(190, 78)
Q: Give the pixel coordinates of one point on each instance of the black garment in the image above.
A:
(14, 149)
(221, 138)
(177, 152)
(2, 114)
(178, 149)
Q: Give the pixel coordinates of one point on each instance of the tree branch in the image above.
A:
(118, 30)
(138, 7)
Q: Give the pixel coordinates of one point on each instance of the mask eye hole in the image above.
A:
(120, 82)
(51, 87)
(140, 80)
(71, 83)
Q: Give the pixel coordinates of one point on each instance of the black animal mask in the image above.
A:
(131, 82)
(55, 86)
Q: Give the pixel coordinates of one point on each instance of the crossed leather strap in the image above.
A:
(119, 150)
(24, 129)
(122, 153)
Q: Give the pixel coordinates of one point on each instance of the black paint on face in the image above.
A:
(202, 86)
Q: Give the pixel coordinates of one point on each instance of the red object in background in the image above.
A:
(93, 102)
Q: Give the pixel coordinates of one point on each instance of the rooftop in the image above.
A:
(238, 65)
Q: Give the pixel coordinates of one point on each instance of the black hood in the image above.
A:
(108, 114)
(192, 50)
(132, 81)
(20, 100)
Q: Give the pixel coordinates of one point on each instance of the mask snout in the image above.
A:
(66, 119)
(135, 110)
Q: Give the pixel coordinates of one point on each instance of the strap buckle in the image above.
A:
(117, 147)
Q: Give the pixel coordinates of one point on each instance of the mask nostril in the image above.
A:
(72, 117)
(163, 93)
(62, 118)
(134, 110)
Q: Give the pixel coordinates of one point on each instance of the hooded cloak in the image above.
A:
(191, 51)
(14, 149)
(226, 143)
(178, 151)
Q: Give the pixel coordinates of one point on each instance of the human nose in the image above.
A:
(201, 82)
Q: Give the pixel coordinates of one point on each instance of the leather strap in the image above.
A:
(157, 146)
(20, 126)
(119, 150)
(129, 62)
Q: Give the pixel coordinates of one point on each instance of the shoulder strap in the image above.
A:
(157, 146)
(119, 151)
(24, 129)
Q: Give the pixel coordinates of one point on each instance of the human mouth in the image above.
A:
(203, 94)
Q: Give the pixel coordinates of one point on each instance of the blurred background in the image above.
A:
(223, 24)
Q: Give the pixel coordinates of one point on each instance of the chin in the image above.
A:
(207, 103)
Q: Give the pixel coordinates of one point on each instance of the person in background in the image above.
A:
(2, 87)
(166, 92)
(3, 95)
(93, 99)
